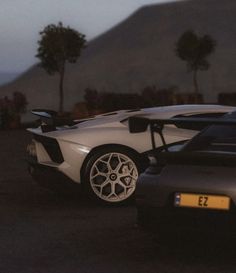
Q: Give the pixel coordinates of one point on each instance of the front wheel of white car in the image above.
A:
(111, 174)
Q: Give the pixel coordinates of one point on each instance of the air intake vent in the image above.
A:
(52, 147)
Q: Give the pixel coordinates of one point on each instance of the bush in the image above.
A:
(11, 109)
(227, 98)
(80, 111)
(150, 96)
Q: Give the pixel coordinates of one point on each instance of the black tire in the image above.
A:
(111, 174)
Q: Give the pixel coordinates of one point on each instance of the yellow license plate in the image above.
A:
(203, 201)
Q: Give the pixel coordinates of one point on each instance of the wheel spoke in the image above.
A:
(101, 186)
(99, 174)
(109, 163)
(113, 188)
(96, 168)
(134, 177)
(130, 185)
(105, 183)
(118, 167)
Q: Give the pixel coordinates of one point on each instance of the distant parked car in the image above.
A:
(194, 185)
(100, 153)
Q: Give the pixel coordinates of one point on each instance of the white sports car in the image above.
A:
(100, 153)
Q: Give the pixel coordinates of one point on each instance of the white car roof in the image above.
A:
(187, 109)
(155, 112)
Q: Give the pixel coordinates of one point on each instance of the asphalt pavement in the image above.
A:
(43, 232)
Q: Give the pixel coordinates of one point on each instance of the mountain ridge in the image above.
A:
(140, 51)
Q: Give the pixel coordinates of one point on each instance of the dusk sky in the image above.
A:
(21, 21)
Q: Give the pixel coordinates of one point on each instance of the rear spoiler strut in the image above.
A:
(140, 125)
(50, 119)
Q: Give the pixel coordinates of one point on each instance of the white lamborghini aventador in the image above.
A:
(100, 153)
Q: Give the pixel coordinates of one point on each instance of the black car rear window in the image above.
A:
(215, 138)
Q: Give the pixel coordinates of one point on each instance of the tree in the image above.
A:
(194, 50)
(57, 46)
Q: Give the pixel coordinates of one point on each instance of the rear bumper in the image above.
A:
(50, 177)
(67, 157)
(155, 195)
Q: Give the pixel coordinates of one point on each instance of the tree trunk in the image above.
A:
(195, 82)
(61, 90)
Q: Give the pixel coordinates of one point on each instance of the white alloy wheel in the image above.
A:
(113, 177)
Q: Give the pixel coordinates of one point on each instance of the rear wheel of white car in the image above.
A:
(111, 174)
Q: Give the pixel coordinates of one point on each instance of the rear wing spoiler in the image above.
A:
(141, 124)
(50, 119)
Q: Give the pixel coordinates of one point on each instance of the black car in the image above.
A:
(192, 184)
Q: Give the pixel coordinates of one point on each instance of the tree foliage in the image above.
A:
(57, 46)
(194, 50)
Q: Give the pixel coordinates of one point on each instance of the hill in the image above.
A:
(6, 77)
(140, 52)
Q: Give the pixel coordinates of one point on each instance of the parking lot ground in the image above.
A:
(42, 232)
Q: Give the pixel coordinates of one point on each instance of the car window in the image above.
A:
(198, 126)
(215, 138)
